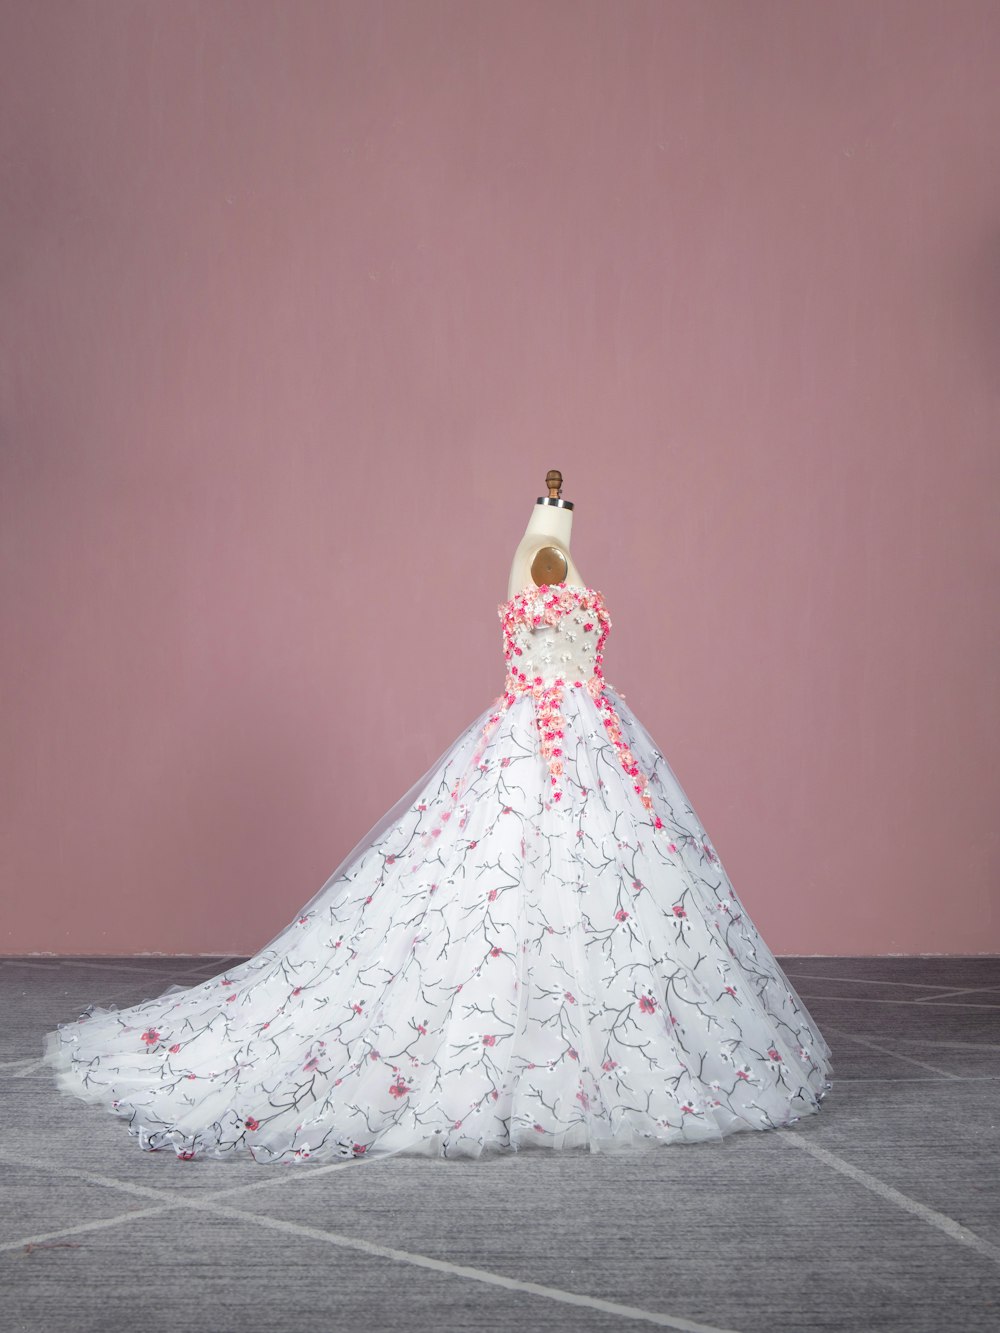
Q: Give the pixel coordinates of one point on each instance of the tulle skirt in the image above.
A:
(488, 969)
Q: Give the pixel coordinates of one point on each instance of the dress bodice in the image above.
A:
(554, 634)
(553, 644)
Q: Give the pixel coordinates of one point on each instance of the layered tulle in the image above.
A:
(487, 969)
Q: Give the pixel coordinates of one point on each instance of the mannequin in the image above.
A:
(536, 946)
(543, 554)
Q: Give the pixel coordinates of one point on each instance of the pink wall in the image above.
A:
(299, 303)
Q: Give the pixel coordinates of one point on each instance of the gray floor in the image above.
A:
(882, 1212)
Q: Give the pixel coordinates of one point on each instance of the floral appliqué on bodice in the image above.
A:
(553, 640)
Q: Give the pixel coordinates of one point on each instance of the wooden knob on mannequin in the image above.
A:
(553, 484)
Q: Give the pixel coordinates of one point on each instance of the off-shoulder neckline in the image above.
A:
(532, 589)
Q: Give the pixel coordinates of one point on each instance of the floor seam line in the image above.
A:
(465, 1271)
(887, 1050)
(82, 1228)
(951, 1228)
(341, 1241)
(875, 981)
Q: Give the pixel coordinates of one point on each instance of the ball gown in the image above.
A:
(537, 946)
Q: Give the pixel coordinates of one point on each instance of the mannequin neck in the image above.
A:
(549, 525)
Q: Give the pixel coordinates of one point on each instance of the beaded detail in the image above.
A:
(573, 619)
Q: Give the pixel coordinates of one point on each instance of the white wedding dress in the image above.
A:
(537, 946)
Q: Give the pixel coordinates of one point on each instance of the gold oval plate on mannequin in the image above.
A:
(549, 565)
